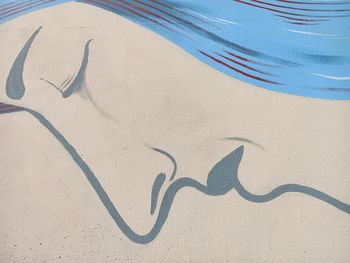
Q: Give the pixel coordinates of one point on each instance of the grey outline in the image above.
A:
(15, 88)
(221, 179)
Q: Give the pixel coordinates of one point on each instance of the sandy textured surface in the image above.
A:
(142, 89)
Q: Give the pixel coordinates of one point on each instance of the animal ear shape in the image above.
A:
(223, 176)
(15, 88)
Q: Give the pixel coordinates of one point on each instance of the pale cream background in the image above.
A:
(146, 90)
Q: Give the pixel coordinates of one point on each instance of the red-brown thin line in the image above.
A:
(14, 4)
(130, 10)
(248, 60)
(312, 3)
(301, 9)
(11, 110)
(25, 9)
(237, 70)
(4, 106)
(283, 12)
(133, 12)
(243, 65)
(15, 8)
(179, 11)
(145, 10)
(301, 19)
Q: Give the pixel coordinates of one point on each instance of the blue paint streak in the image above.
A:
(293, 57)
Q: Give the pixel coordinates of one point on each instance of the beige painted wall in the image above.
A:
(143, 89)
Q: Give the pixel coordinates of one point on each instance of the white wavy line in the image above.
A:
(205, 17)
(215, 20)
(310, 33)
(227, 21)
(331, 77)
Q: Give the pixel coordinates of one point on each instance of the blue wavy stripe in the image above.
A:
(299, 47)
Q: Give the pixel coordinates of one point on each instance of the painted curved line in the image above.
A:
(8, 108)
(66, 82)
(238, 70)
(103, 196)
(7, 4)
(172, 159)
(24, 9)
(309, 33)
(189, 32)
(313, 3)
(249, 60)
(13, 5)
(301, 19)
(19, 6)
(80, 77)
(15, 88)
(287, 13)
(112, 5)
(215, 37)
(331, 77)
(166, 203)
(241, 139)
(243, 65)
(300, 9)
(291, 188)
(157, 185)
(221, 179)
(51, 84)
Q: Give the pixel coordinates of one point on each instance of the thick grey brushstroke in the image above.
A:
(80, 77)
(240, 139)
(157, 185)
(15, 88)
(221, 179)
(172, 159)
(166, 203)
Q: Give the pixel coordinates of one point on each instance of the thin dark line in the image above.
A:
(53, 85)
(241, 139)
(172, 159)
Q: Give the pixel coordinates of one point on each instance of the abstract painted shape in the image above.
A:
(221, 179)
(268, 51)
(15, 88)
